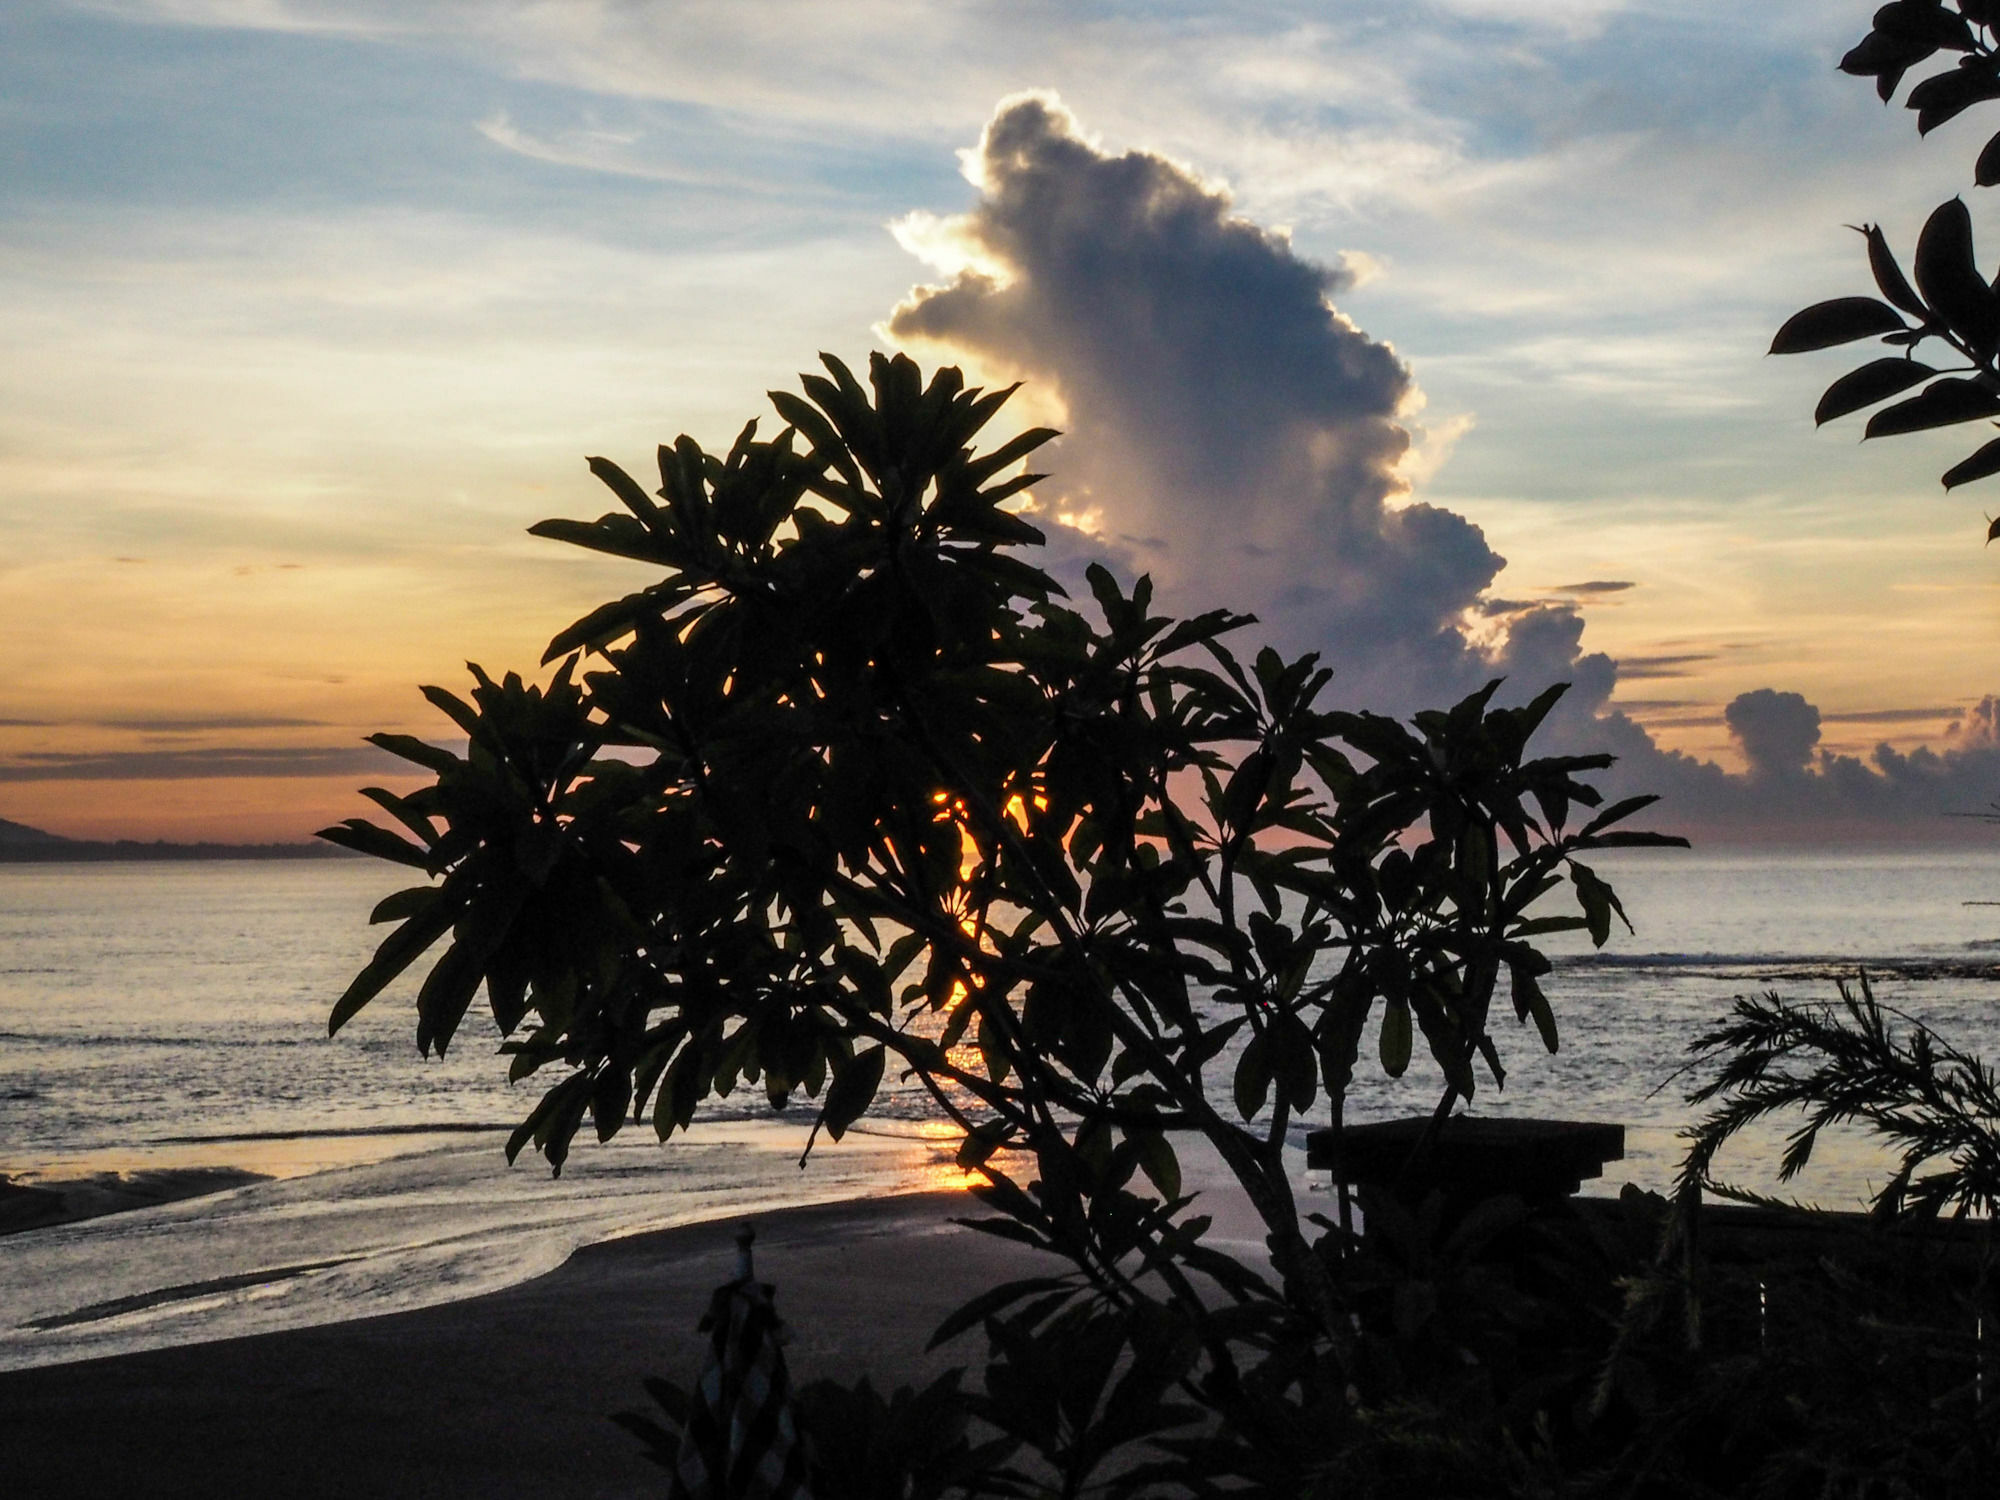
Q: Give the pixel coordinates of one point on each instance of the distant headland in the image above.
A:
(20, 844)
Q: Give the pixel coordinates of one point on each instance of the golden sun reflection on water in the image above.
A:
(945, 1174)
(933, 1145)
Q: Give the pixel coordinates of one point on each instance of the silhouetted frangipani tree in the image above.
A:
(849, 786)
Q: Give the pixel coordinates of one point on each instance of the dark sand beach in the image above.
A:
(508, 1394)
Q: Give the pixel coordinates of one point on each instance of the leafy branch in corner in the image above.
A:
(1944, 301)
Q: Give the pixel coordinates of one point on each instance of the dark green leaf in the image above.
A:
(1840, 321)
(1012, 451)
(1294, 1063)
(1618, 812)
(1875, 381)
(404, 903)
(1950, 282)
(991, 1301)
(446, 994)
(1160, 1164)
(1530, 1001)
(626, 488)
(1598, 901)
(1253, 1077)
(1887, 52)
(1617, 839)
(1542, 926)
(1944, 96)
(431, 757)
(853, 1090)
(401, 809)
(1888, 275)
(454, 708)
(606, 623)
(365, 838)
(617, 536)
(398, 951)
(1983, 463)
(1396, 1037)
(1941, 404)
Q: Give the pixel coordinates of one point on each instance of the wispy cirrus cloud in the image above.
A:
(201, 764)
(156, 724)
(1637, 668)
(597, 150)
(1940, 714)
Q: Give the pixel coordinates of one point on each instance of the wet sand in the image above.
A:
(40, 1203)
(508, 1394)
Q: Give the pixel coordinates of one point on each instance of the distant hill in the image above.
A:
(20, 844)
(20, 835)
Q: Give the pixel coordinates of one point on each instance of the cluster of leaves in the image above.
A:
(1907, 34)
(851, 786)
(1951, 305)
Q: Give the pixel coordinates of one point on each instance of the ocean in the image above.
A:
(157, 1017)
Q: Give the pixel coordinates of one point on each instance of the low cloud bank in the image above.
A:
(1229, 431)
(1793, 792)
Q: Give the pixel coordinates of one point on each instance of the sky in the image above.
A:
(1432, 333)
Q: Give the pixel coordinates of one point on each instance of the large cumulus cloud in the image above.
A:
(1777, 731)
(1236, 435)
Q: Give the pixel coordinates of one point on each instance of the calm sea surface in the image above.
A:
(162, 1015)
